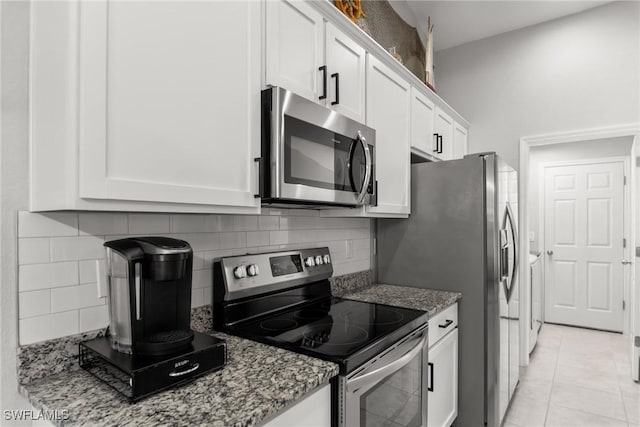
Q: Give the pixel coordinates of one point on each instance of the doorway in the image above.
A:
(572, 147)
(582, 239)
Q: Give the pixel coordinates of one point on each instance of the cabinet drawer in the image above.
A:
(442, 323)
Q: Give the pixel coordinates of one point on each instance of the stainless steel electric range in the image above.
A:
(284, 299)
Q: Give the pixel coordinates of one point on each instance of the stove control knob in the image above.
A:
(309, 262)
(253, 270)
(240, 272)
(319, 260)
(326, 259)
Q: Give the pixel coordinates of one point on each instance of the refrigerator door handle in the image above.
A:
(509, 282)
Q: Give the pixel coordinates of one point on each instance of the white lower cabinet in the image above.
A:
(312, 411)
(442, 407)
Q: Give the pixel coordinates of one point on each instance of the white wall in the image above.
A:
(614, 147)
(14, 37)
(577, 72)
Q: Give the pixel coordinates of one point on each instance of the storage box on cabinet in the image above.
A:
(127, 115)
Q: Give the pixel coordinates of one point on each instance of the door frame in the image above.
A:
(526, 143)
(626, 222)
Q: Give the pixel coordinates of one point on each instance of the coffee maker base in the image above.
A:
(137, 376)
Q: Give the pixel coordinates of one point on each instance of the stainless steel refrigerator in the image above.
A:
(462, 236)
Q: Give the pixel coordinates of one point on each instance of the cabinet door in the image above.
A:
(422, 115)
(294, 47)
(442, 380)
(388, 101)
(313, 410)
(346, 65)
(459, 140)
(169, 101)
(444, 128)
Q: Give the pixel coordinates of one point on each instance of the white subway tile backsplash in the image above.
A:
(202, 278)
(197, 297)
(280, 237)
(76, 248)
(47, 224)
(102, 223)
(45, 276)
(93, 318)
(33, 250)
(75, 297)
(257, 238)
(149, 224)
(187, 223)
(266, 222)
(233, 240)
(208, 295)
(87, 271)
(58, 253)
(203, 241)
(50, 326)
(226, 222)
(245, 223)
(35, 303)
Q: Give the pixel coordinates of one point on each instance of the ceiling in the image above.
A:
(458, 22)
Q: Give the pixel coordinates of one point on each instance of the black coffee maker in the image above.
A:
(150, 294)
(149, 345)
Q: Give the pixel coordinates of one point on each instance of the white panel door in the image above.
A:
(388, 101)
(460, 135)
(294, 48)
(444, 128)
(583, 242)
(422, 128)
(169, 101)
(442, 381)
(346, 65)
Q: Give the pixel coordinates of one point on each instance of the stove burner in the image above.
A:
(278, 324)
(324, 335)
(309, 314)
(387, 316)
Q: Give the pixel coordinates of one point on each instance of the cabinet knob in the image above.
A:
(549, 252)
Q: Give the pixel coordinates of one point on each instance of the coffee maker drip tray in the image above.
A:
(138, 376)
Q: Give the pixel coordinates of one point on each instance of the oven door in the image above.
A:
(319, 156)
(392, 389)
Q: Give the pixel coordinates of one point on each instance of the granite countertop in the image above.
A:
(429, 300)
(259, 381)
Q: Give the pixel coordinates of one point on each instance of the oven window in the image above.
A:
(396, 400)
(319, 158)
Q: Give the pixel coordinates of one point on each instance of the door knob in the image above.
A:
(549, 252)
(625, 262)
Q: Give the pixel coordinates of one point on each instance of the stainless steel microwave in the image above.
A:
(313, 156)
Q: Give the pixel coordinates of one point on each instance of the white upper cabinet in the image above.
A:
(295, 48)
(168, 106)
(346, 69)
(422, 124)
(444, 134)
(460, 140)
(314, 58)
(388, 112)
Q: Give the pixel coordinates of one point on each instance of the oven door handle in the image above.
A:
(373, 377)
(369, 166)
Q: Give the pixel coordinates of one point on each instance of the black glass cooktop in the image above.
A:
(344, 331)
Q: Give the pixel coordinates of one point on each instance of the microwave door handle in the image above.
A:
(375, 376)
(368, 168)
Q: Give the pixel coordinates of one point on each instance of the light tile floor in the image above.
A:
(577, 377)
